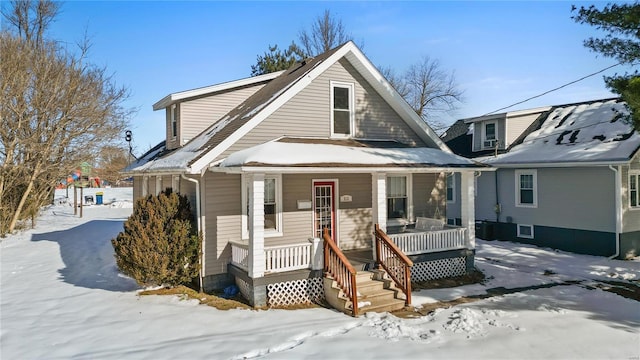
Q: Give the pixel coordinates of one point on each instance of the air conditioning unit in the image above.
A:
(489, 144)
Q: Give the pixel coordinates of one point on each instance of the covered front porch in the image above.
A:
(289, 203)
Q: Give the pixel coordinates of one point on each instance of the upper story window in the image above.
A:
(526, 188)
(342, 109)
(451, 188)
(174, 120)
(489, 139)
(634, 189)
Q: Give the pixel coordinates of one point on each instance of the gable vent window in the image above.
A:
(342, 109)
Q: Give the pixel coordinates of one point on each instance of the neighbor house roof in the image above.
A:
(198, 153)
(289, 152)
(594, 132)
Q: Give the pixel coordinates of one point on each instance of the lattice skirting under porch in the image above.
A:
(304, 291)
(438, 269)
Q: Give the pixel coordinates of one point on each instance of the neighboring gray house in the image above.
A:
(270, 162)
(569, 180)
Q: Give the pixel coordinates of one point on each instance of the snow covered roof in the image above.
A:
(348, 153)
(197, 154)
(593, 132)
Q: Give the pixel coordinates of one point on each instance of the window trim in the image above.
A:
(484, 134)
(409, 185)
(351, 87)
(636, 174)
(524, 236)
(175, 183)
(518, 200)
(244, 204)
(158, 184)
(174, 121)
(453, 188)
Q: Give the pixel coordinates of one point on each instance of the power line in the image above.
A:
(555, 89)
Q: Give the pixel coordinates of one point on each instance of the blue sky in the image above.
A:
(501, 52)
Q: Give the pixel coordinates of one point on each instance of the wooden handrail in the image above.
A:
(394, 261)
(338, 266)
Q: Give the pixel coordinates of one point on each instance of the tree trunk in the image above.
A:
(23, 199)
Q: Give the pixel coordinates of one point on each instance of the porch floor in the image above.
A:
(361, 259)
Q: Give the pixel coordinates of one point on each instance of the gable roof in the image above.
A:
(196, 155)
(593, 133)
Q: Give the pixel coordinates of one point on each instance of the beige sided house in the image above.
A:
(291, 173)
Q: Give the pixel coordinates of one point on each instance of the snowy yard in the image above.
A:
(62, 297)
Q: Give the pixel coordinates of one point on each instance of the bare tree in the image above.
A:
(326, 33)
(31, 18)
(111, 161)
(428, 89)
(57, 110)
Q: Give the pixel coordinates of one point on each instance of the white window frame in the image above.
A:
(409, 185)
(451, 176)
(524, 236)
(351, 87)
(636, 174)
(173, 114)
(484, 134)
(519, 203)
(245, 200)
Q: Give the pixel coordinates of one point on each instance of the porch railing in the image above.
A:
(277, 258)
(394, 261)
(341, 270)
(430, 241)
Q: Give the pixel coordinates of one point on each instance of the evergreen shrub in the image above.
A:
(160, 244)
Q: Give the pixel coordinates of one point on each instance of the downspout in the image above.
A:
(497, 206)
(198, 215)
(618, 180)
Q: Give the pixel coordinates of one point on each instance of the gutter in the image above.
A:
(618, 181)
(200, 232)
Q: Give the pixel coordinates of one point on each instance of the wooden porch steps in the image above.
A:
(375, 294)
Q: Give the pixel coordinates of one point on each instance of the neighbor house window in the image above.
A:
(489, 139)
(451, 188)
(634, 186)
(174, 121)
(342, 113)
(272, 207)
(526, 188)
(397, 197)
(525, 231)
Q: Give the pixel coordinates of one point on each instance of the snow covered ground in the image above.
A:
(62, 297)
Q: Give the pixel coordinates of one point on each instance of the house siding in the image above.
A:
(563, 196)
(223, 219)
(486, 197)
(137, 188)
(308, 113)
(199, 114)
(516, 125)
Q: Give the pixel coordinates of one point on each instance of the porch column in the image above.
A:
(379, 199)
(256, 226)
(467, 206)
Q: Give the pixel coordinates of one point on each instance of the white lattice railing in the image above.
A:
(278, 258)
(412, 243)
